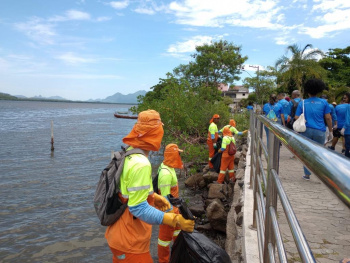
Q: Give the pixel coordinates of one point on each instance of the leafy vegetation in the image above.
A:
(188, 97)
(302, 65)
(5, 96)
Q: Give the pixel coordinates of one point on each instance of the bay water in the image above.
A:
(47, 212)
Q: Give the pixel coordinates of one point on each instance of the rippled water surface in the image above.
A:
(47, 213)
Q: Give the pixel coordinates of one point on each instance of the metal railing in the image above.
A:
(334, 172)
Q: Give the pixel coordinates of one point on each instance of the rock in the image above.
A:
(206, 168)
(217, 216)
(194, 180)
(221, 191)
(197, 210)
(244, 150)
(239, 219)
(237, 157)
(241, 164)
(209, 201)
(239, 174)
(210, 177)
(205, 227)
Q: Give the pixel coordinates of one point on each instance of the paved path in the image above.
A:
(324, 219)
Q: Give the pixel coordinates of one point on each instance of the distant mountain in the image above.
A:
(120, 98)
(5, 96)
(116, 98)
(48, 98)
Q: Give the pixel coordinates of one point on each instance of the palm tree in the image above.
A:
(295, 70)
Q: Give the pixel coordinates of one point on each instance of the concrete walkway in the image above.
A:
(324, 219)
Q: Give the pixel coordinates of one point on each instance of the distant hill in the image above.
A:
(120, 98)
(116, 98)
(5, 96)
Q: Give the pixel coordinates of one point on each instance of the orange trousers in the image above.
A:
(227, 162)
(165, 236)
(122, 257)
(211, 153)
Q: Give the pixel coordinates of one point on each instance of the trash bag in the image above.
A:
(194, 247)
(218, 144)
(216, 161)
(197, 248)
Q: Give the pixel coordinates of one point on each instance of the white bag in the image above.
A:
(299, 124)
(342, 131)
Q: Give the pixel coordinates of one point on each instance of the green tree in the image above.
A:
(187, 98)
(214, 63)
(263, 83)
(302, 65)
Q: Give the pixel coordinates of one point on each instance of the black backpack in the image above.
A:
(292, 114)
(108, 206)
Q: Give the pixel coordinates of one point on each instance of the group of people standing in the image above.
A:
(226, 134)
(323, 123)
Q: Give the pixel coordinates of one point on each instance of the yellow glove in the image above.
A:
(174, 220)
(245, 131)
(161, 202)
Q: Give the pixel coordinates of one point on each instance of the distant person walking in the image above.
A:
(340, 111)
(316, 111)
(293, 105)
(274, 112)
(250, 106)
(346, 131)
(333, 115)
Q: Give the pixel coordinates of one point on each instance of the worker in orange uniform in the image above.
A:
(227, 161)
(129, 237)
(167, 184)
(232, 127)
(212, 137)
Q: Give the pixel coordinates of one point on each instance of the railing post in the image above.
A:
(271, 193)
(253, 148)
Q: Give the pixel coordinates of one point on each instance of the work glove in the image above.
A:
(288, 119)
(330, 137)
(174, 220)
(335, 127)
(215, 146)
(245, 131)
(160, 202)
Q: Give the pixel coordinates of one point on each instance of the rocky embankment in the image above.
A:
(218, 207)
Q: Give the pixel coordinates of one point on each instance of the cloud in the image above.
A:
(219, 13)
(189, 45)
(332, 16)
(71, 15)
(37, 30)
(70, 58)
(146, 11)
(119, 4)
(103, 18)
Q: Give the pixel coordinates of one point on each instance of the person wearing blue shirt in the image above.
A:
(284, 103)
(293, 104)
(340, 111)
(346, 131)
(277, 108)
(316, 111)
(333, 115)
(250, 106)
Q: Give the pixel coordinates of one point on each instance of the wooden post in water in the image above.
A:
(52, 141)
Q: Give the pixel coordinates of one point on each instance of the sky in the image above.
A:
(91, 49)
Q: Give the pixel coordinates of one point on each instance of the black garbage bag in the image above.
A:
(216, 161)
(194, 247)
(218, 144)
